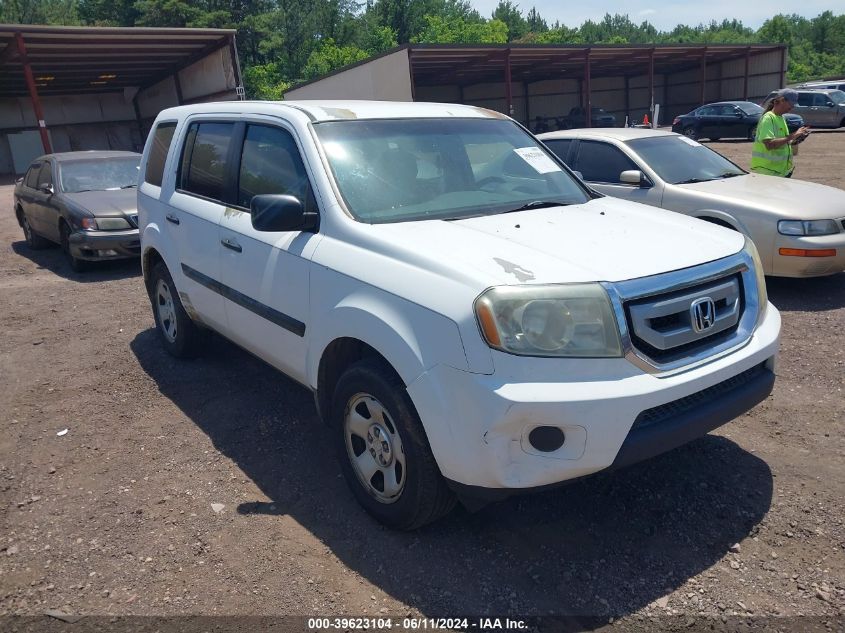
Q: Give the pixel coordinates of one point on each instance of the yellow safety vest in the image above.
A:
(773, 162)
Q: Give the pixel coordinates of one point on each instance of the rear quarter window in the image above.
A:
(162, 138)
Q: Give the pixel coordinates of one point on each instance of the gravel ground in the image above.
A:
(209, 488)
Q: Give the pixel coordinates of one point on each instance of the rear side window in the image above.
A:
(560, 147)
(600, 162)
(805, 98)
(32, 176)
(270, 163)
(162, 138)
(205, 159)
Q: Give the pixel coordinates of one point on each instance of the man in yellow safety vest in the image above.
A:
(772, 151)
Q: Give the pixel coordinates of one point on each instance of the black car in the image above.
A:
(577, 118)
(726, 119)
(83, 201)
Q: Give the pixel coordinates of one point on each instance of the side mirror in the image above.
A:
(738, 115)
(633, 177)
(46, 188)
(830, 104)
(276, 213)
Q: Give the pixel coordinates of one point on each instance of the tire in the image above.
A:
(690, 132)
(182, 338)
(76, 264)
(383, 450)
(33, 240)
(752, 133)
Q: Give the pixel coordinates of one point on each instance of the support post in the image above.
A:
(33, 94)
(628, 99)
(783, 66)
(508, 86)
(179, 99)
(703, 76)
(236, 66)
(651, 84)
(527, 106)
(411, 76)
(588, 100)
(745, 79)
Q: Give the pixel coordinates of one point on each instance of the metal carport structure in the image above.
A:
(525, 80)
(87, 75)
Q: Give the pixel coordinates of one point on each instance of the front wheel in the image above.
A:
(383, 450)
(752, 132)
(182, 338)
(76, 264)
(690, 132)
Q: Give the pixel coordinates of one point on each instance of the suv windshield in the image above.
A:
(414, 169)
(678, 160)
(99, 174)
(837, 96)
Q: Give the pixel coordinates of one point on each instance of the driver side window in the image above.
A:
(271, 164)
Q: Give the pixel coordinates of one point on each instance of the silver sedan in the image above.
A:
(797, 226)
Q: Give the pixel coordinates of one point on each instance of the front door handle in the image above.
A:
(171, 218)
(231, 245)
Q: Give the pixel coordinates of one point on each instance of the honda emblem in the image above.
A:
(702, 314)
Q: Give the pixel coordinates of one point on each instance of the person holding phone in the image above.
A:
(774, 147)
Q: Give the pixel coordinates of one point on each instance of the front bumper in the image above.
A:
(105, 245)
(478, 425)
(796, 266)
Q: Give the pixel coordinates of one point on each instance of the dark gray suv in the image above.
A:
(819, 108)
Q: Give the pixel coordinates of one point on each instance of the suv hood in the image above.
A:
(111, 203)
(603, 240)
(786, 197)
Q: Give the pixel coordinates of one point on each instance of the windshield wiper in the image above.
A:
(537, 204)
(692, 180)
(129, 186)
(728, 174)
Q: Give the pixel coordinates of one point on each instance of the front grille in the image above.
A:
(664, 328)
(664, 412)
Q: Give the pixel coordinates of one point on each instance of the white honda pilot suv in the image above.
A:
(473, 320)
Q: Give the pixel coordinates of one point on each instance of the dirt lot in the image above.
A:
(115, 517)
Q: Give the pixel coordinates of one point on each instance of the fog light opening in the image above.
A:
(108, 252)
(546, 439)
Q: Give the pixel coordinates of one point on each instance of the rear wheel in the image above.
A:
(383, 450)
(690, 132)
(182, 338)
(33, 240)
(78, 265)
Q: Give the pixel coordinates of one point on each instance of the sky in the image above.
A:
(666, 15)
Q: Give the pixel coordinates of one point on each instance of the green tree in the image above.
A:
(509, 13)
(439, 30)
(59, 12)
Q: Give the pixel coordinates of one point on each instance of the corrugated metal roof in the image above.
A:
(75, 60)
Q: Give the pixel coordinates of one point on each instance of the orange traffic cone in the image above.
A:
(645, 119)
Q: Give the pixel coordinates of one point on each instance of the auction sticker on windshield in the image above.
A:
(535, 157)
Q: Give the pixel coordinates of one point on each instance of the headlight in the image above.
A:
(807, 227)
(762, 293)
(571, 320)
(89, 224)
(113, 224)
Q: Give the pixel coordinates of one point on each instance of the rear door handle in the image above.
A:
(231, 245)
(171, 218)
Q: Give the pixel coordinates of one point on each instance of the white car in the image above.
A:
(797, 226)
(473, 320)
